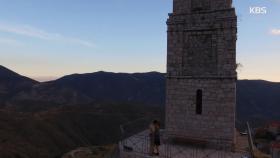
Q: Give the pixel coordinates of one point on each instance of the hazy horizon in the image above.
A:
(51, 78)
(49, 39)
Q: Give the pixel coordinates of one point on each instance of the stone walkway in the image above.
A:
(137, 146)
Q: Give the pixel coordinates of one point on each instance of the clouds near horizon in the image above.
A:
(31, 31)
(275, 32)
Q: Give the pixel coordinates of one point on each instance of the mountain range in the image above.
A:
(147, 88)
(12, 83)
(48, 119)
(255, 98)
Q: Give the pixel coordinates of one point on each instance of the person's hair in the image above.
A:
(156, 122)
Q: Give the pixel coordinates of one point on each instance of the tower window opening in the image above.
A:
(199, 102)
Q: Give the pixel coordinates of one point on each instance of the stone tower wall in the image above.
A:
(187, 6)
(202, 56)
(216, 123)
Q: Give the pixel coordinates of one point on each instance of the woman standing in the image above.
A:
(152, 137)
(156, 137)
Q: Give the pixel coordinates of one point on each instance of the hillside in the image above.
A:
(49, 119)
(52, 133)
(257, 101)
(12, 83)
(146, 88)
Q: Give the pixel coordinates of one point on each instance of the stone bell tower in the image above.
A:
(201, 71)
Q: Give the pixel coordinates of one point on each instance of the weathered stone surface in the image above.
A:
(140, 147)
(202, 56)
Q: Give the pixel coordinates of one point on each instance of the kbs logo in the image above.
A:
(258, 10)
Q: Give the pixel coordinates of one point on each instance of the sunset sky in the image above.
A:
(46, 39)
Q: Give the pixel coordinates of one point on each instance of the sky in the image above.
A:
(47, 39)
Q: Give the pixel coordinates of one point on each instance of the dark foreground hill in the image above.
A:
(54, 132)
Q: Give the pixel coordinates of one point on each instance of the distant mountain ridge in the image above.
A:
(12, 83)
(256, 99)
(146, 88)
(7, 75)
